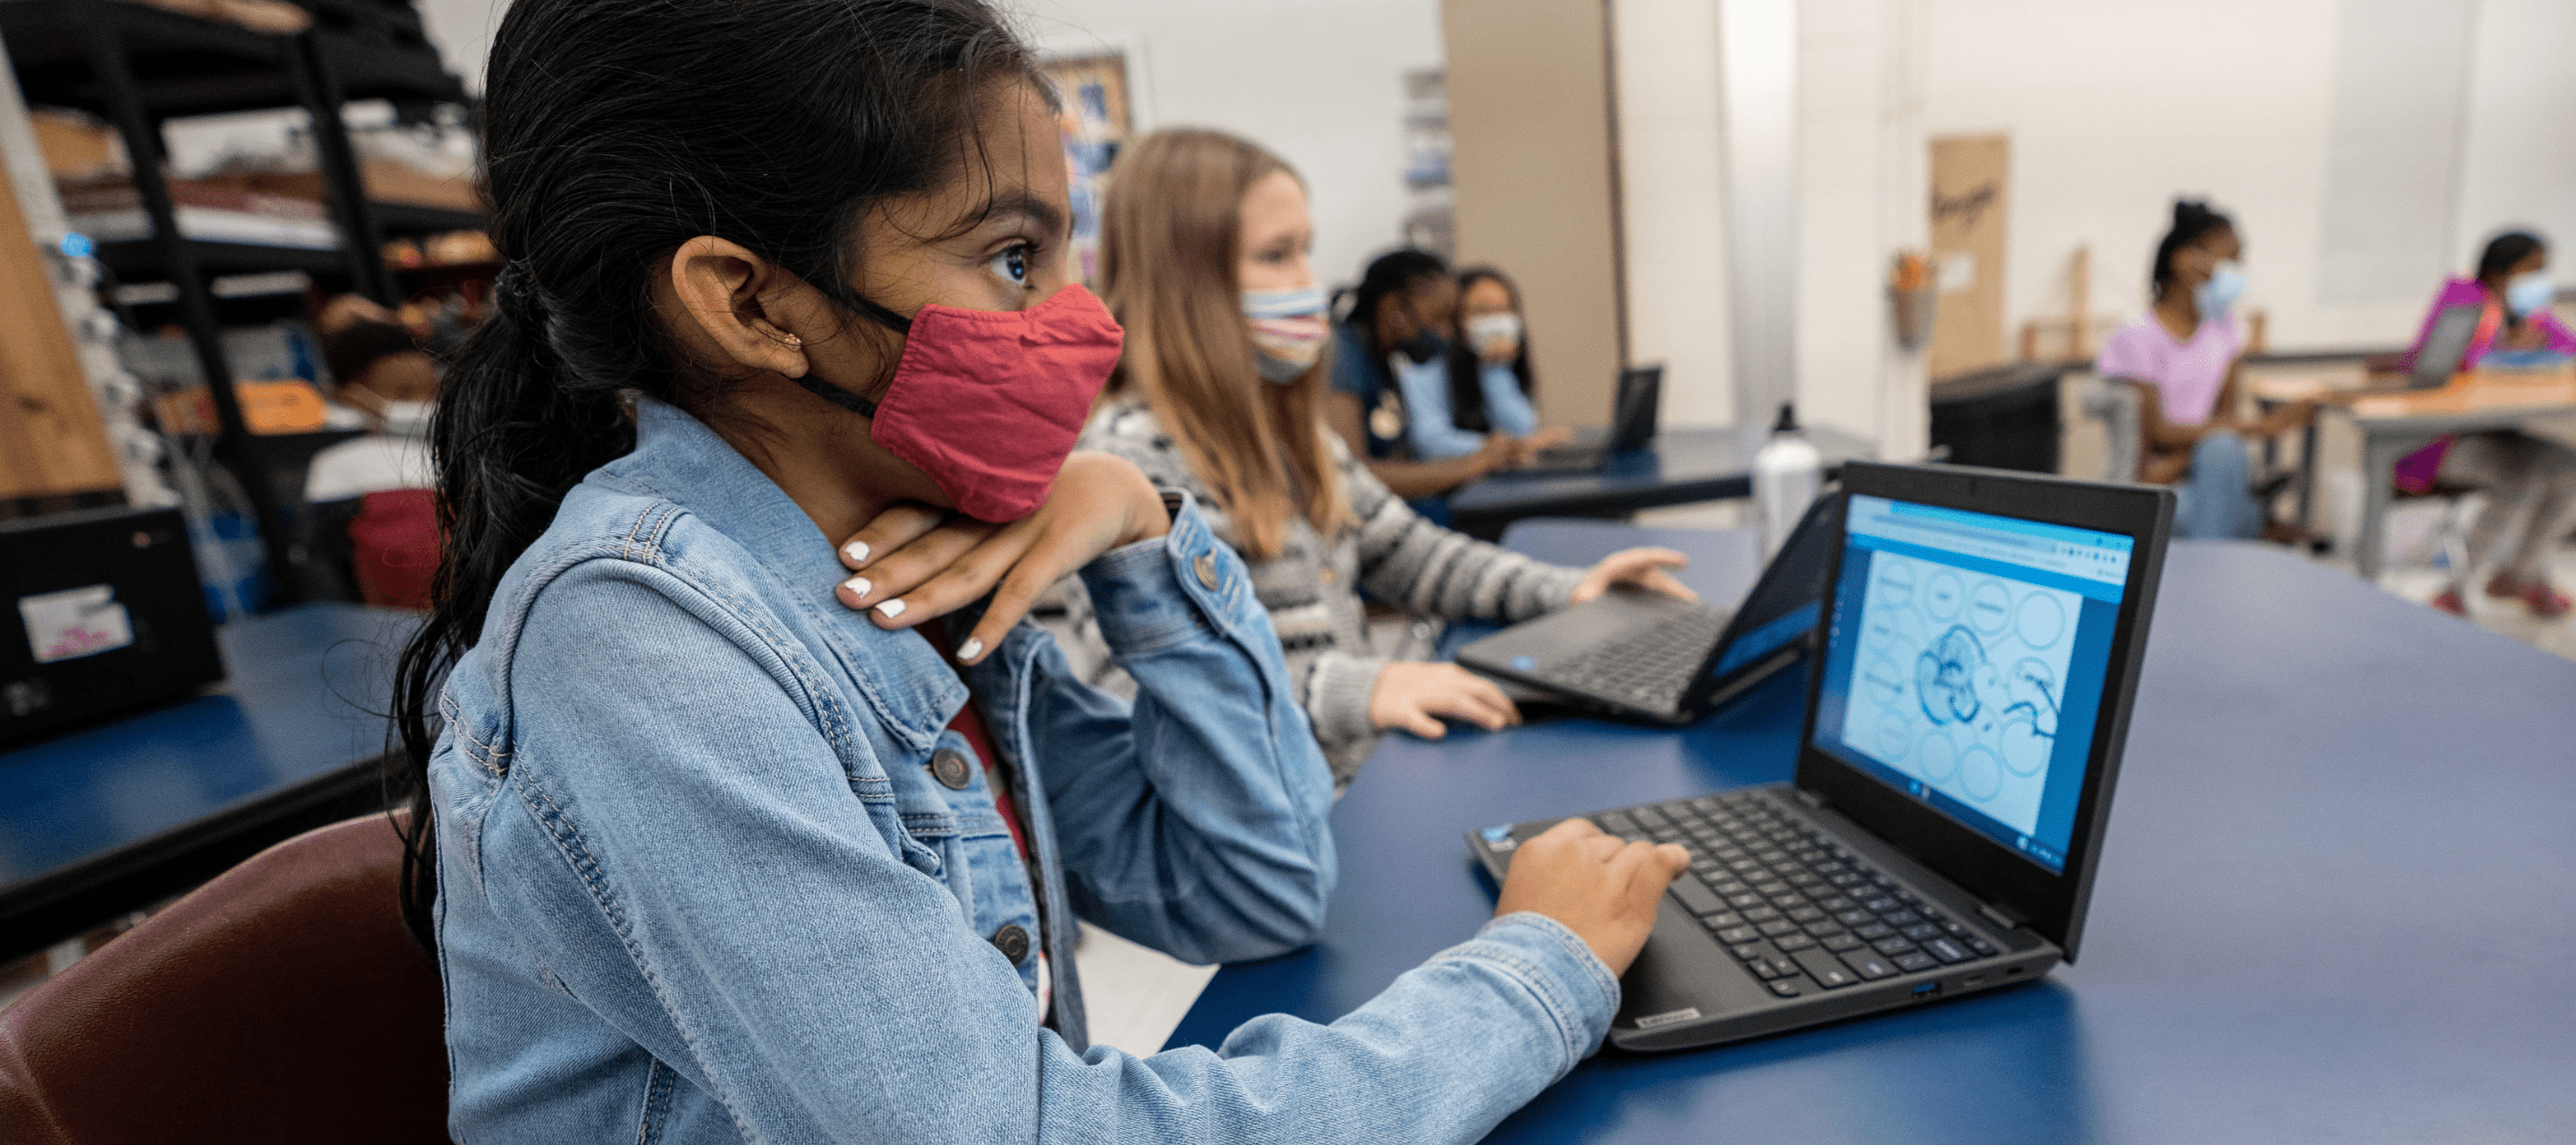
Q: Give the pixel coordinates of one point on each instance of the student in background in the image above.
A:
(1491, 389)
(1389, 364)
(2530, 482)
(2182, 354)
(708, 857)
(370, 515)
(1222, 403)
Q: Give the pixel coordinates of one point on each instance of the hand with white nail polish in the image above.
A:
(914, 562)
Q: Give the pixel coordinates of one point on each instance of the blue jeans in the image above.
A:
(2215, 500)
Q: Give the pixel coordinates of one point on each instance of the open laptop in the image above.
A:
(1634, 654)
(1965, 718)
(1632, 426)
(2444, 346)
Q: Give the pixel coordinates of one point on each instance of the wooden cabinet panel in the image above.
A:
(51, 439)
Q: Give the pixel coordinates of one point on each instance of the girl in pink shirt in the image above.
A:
(2530, 482)
(2182, 355)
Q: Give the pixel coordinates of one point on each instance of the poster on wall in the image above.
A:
(1095, 122)
(1968, 207)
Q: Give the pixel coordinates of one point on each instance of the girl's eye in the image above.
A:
(1012, 265)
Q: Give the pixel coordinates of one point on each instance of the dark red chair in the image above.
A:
(281, 1002)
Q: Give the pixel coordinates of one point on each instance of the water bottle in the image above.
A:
(1786, 476)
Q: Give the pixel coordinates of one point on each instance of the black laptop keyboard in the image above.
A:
(1798, 909)
(1647, 669)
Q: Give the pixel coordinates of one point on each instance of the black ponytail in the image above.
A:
(614, 131)
(2192, 221)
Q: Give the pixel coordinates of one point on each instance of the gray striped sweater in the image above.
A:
(1312, 586)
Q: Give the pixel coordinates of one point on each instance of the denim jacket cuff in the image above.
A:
(1158, 592)
(1559, 969)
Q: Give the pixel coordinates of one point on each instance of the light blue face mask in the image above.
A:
(2226, 284)
(2529, 291)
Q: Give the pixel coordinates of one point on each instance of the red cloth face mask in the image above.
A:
(988, 402)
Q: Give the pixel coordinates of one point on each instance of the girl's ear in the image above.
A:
(727, 306)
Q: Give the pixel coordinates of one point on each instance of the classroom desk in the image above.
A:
(1681, 466)
(2393, 425)
(2331, 904)
(119, 815)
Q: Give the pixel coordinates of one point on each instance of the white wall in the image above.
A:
(2114, 109)
(1318, 81)
(2520, 161)
(462, 29)
(1863, 185)
(1672, 219)
(1856, 173)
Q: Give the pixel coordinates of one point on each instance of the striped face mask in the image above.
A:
(1288, 330)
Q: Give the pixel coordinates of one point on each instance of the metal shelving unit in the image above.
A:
(139, 67)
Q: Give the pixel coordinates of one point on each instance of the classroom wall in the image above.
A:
(1318, 81)
(1673, 228)
(1321, 82)
(2114, 109)
(1857, 176)
(1531, 125)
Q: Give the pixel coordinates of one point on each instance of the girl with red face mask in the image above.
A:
(744, 805)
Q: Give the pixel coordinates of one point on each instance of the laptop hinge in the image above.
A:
(2001, 916)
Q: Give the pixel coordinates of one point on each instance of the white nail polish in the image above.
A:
(891, 608)
(971, 649)
(856, 552)
(858, 586)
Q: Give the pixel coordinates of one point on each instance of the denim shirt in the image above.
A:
(700, 879)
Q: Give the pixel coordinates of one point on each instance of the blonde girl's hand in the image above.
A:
(1641, 567)
(1414, 696)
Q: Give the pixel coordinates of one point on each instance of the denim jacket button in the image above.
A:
(1206, 566)
(949, 768)
(1013, 942)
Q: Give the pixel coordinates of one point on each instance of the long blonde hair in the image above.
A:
(1169, 230)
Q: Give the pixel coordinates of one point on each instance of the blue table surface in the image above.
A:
(2333, 903)
(299, 687)
(1677, 456)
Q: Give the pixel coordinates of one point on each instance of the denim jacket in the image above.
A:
(704, 875)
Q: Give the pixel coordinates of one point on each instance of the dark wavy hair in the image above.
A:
(1467, 370)
(2503, 251)
(2193, 220)
(1394, 272)
(614, 131)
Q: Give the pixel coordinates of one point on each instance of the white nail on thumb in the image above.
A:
(971, 649)
(891, 609)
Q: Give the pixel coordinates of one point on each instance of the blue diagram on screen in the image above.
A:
(1966, 659)
(1960, 683)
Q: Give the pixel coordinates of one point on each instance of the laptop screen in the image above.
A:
(1965, 662)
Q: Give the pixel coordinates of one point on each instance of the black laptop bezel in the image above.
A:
(1639, 407)
(1820, 525)
(2051, 905)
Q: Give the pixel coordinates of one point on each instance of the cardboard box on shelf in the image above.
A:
(388, 181)
(289, 405)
